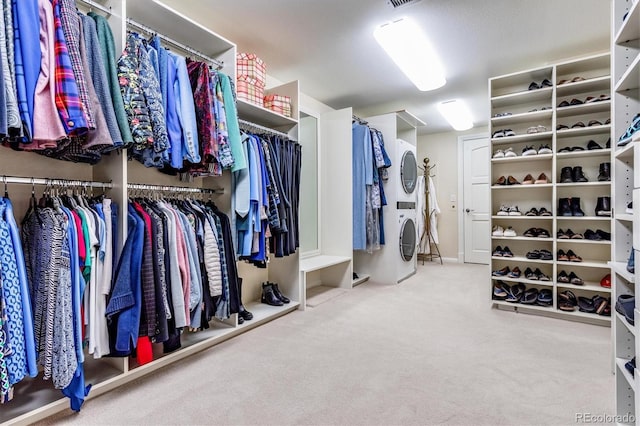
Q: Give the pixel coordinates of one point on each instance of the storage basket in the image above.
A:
(278, 103)
(251, 69)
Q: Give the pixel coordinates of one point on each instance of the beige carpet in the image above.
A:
(322, 294)
(427, 351)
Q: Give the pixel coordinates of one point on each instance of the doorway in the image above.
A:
(474, 187)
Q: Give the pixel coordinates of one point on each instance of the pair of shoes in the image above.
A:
(501, 114)
(501, 290)
(629, 209)
(595, 305)
(529, 180)
(543, 83)
(567, 301)
(573, 102)
(604, 173)
(530, 150)
(508, 211)
(575, 174)
(503, 133)
(603, 206)
(540, 254)
(515, 293)
(537, 233)
(507, 153)
(598, 235)
(568, 235)
(606, 281)
(536, 275)
(631, 262)
(562, 127)
(515, 273)
(626, 137)
(538, 212)
(631, 366)
(601, 98)
(507, 181)
(625, 305)
(271, 295)
(569, 256)
(501, 272)
(573, 80)
(591, 145)
(502, 252)
(571, 278)
(536, 129)
(571, 149)
(569, 207)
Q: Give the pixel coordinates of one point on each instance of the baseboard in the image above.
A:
(451, 260)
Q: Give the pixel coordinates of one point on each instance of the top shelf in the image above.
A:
(593, 84)
(263, 116)
(522, 97)
(630, 29)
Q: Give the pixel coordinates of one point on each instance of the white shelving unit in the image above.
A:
(35, 399)
(523, 111)
(625, 71)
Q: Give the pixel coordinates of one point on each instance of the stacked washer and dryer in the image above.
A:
(406, 208)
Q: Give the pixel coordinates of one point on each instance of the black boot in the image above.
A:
(578, 175)
(605, 172)
(564, 207)
(603, 206)
(565, 175)
(268, 295)
(242, 312)
(575, 207)
(279, 294)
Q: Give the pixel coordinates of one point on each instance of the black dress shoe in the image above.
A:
(605, 172)
(575, 207)
(268, 295)
(279, 294)
(606, 236)
(603, 206)
(593, 145)
(564, 207)
(578, 175)
(592, 236)
(566, 175)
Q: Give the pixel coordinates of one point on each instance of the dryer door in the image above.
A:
(408, 172)
(407, 240)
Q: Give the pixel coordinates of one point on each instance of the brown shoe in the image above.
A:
(573, 257)
(542, 179)
(501, 181)
(528, 180)
(512, 181)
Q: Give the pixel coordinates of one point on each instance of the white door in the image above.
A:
(476, 200)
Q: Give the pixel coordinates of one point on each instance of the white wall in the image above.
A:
(442, 150)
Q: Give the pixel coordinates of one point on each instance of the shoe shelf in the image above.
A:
(583, 131)
(585, 263)
(575, 184)
(590, 85)
(583, 154)
(620, 268)
(624, 217)
(523, 158)
(620, 362)
(521, 238)
(631, 77)
(527, 137)
(523, 281)
(594, 107)
(522, 217)
(521, 259)
(524, 97)
(626, 152)
(523, 117)
(583, 241)
(522, 305)
(623, 320)
(263, 313)
(591, 316)
(521, 186)
(585, 218)
(588, 286)
(630, 29)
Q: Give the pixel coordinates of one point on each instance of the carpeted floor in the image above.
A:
(427, 351)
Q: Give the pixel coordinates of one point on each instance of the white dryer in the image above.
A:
(406, 209)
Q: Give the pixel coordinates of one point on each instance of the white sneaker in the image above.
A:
(514, 211)
(529, 150)
(498, 154)
(509, 232)
(498, 231)
(503, 211)
(509, 152)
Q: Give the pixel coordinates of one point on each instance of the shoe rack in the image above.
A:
(565, 107)
(625, 70)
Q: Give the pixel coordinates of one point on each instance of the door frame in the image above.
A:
(460, 203)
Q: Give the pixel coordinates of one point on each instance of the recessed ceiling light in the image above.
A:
(406, 44)
(457, 114)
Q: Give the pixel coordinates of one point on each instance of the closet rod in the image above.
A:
(247, 125)
(48, 181)
(95, 5)
(359, 120)
(167, 188)
(219, 64)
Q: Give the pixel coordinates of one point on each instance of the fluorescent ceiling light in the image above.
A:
(409, 48)
(457, 114)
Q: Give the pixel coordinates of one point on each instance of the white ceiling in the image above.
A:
(328, 45)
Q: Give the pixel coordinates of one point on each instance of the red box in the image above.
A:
(278, 103)
(250, 93)
(251, 69)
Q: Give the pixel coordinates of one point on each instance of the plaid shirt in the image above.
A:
(68, 102)
(71, 27)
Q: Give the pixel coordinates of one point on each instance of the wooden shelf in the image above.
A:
(524, 281)
(586, 264)
(624, 217)
(590, 85)
(527, 137)
(583, 131)
(319, 262)
(589, 286)
(578, 184)
(522, 97)
(620, 362)
(521, 217)
(524, 117)
(620, 268)
(605, 152)
(263, 116)
(626, 152)
(521, 238)
(630, 29)
(585, 218)
(522, 259)
(521, 159)
(531, 186)
(631, 78)
(623, 320)
(590, 108)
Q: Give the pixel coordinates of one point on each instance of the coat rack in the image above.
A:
(427, 235)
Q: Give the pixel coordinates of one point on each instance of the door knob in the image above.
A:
(469, 210)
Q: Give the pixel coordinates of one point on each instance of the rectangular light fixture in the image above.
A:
(457, 114)
(406, 44)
